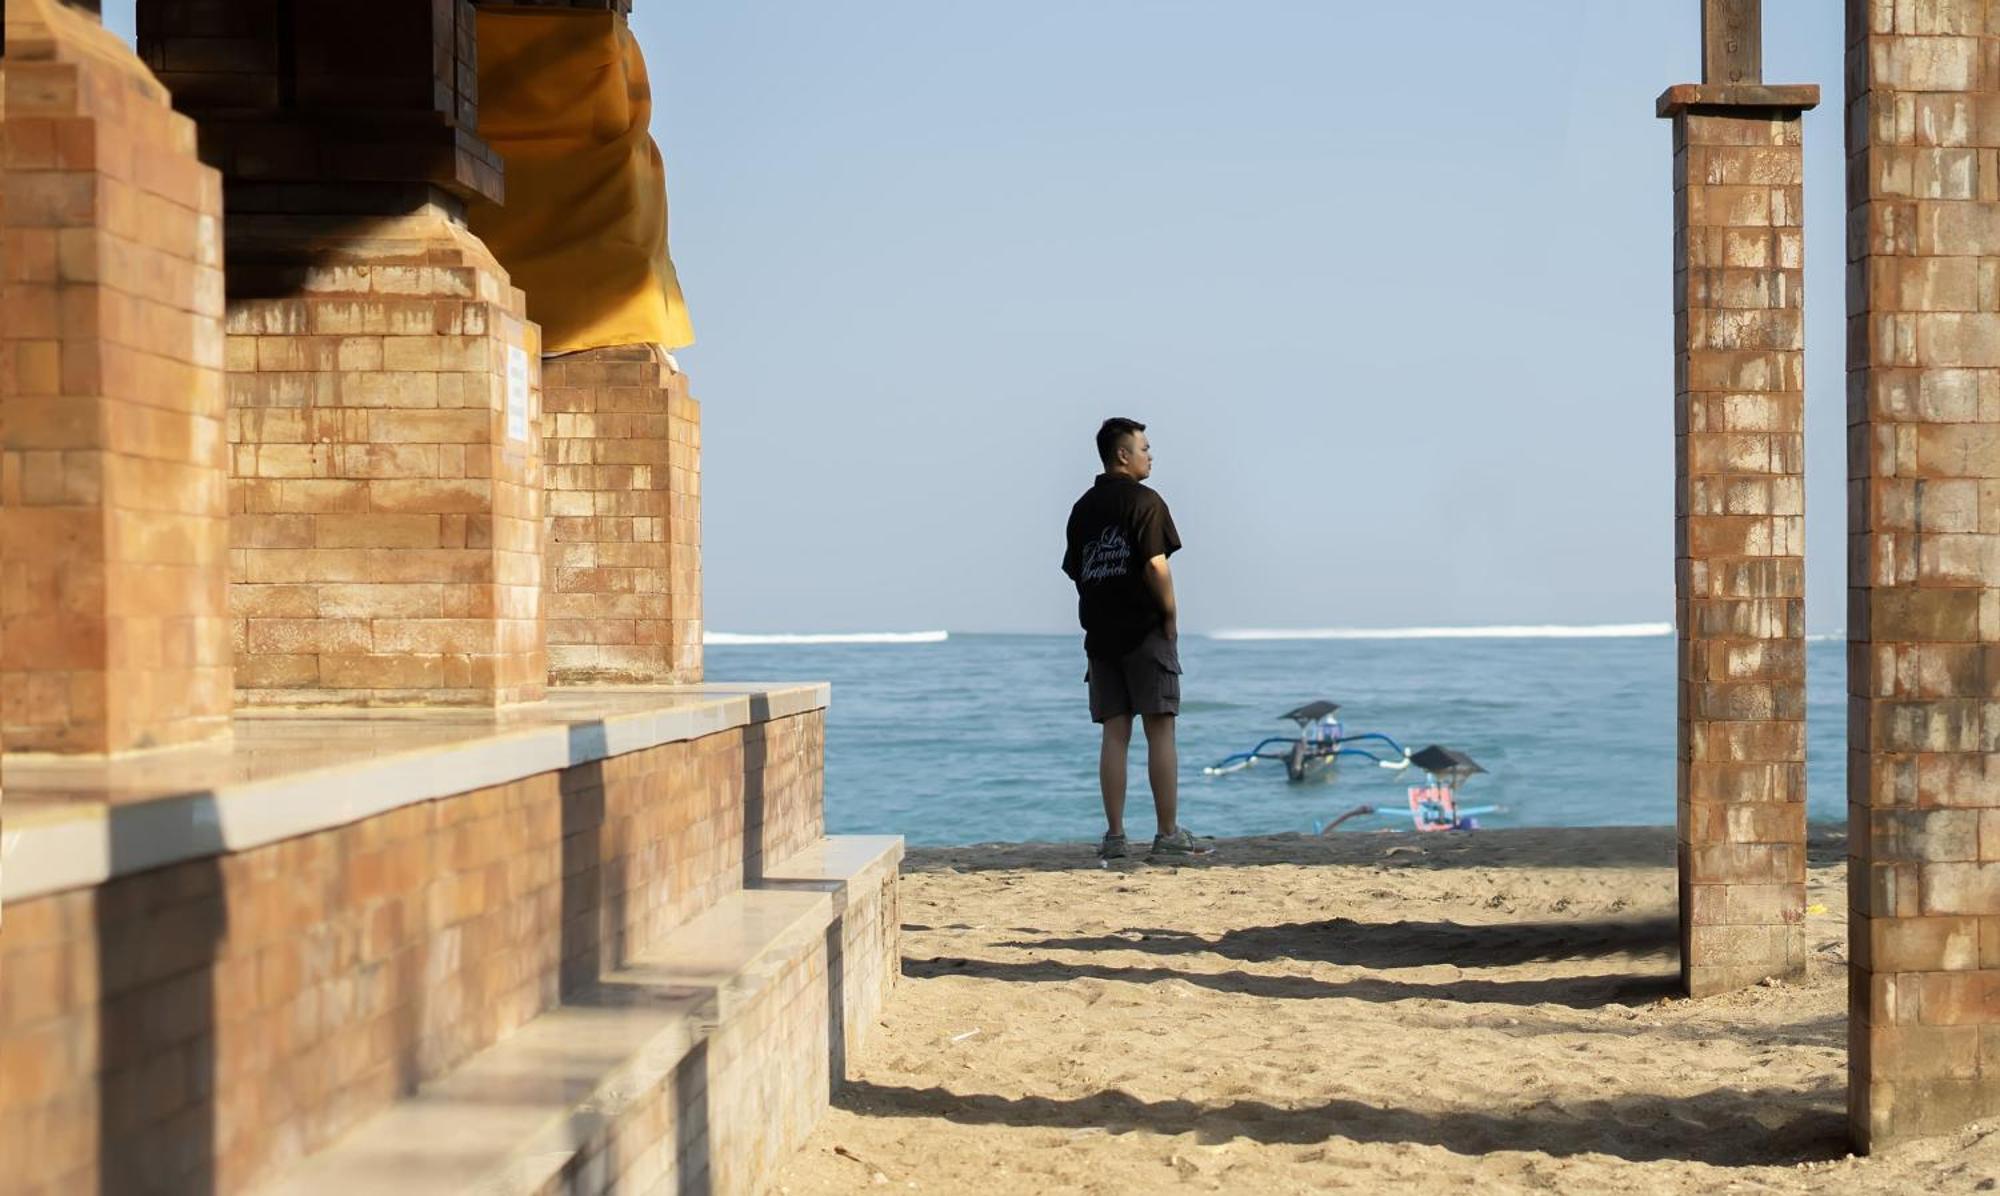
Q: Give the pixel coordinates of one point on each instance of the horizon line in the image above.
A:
(1490, 631)
(1244, 634)
(824, 637)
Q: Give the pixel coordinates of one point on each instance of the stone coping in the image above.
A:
(836, 864)
(514, 1118)
(70, 821)
(1684, 96)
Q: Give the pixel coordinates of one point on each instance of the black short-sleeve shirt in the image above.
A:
(1114, 529)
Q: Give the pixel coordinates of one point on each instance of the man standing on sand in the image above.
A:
(1120, 536)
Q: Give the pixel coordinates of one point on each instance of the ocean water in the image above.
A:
(978, 738)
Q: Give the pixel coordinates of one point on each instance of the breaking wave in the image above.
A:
(1524, 632)
(858, 637)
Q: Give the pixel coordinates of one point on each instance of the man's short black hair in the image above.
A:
(1112, 434)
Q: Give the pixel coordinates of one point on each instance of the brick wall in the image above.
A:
(386, 503)
(763, 787)
(267, 1001)
(623, 446)
(1924, 556)
(733, 1110)
(1739, 539)
(767, 1082)
(871, 961)
(787, 797)
(112, 531)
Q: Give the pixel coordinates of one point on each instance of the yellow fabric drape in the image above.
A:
(563, 95)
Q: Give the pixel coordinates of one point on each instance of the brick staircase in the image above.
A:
(601, 945)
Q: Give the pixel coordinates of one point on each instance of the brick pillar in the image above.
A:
(624, 492)
(113, 528)
(1923, 568)
(1739, 577)
(385, 472)
(386, 485)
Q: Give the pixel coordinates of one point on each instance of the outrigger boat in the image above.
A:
(1320, 743)
(1434, 807)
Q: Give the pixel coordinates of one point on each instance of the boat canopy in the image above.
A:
(1442, 761)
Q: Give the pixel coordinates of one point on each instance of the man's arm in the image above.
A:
(1160, 580)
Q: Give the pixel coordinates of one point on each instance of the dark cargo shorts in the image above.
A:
(1146, 680)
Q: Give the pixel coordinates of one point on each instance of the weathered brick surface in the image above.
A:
(736, 799)
(235, 1014)
(113, 631)
(732, 1111)
(869, 964)
(874, 961)
(623, 450)
(1924, 565)
(785, 795)
(1739, 540)
(768, 1083)
(738, 1107)
(385, 486)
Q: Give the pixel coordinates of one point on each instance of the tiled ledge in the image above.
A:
(841, 866)
(75, 821)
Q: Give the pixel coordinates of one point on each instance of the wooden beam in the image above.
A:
(1732, 41)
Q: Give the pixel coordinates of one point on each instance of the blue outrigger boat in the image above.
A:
(1320, 743)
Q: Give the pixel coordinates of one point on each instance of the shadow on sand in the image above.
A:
(1396, 944)
(1575, 992)
(1804, 1125)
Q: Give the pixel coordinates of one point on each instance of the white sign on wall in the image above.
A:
(517, 393)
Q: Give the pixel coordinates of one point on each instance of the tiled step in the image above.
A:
(697, 1067)
(859, 873)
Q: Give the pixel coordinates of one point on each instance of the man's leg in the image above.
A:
(1111, 769)
(1163, 770)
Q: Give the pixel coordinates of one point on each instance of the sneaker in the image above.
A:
(1180, 845)
(1113, 847)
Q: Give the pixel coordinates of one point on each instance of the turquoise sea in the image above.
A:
(986, 737)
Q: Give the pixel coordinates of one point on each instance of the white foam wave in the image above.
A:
(859, 637)
(1544, 632)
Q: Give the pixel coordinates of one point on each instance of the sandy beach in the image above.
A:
(1489, 1012)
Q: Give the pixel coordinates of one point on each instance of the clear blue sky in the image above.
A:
(1390, 284)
